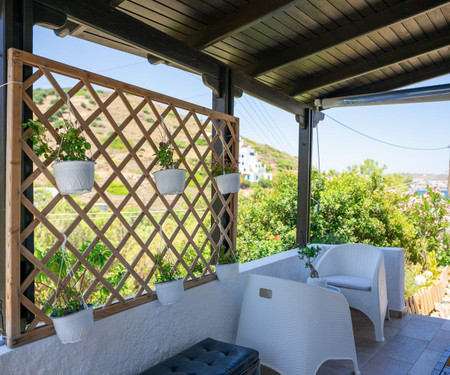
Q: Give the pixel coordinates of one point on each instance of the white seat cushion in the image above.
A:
(350, 282)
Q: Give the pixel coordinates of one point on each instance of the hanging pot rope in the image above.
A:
(223, 152)
(71, 273)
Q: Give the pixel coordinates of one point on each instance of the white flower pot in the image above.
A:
(74, 176)
(74, 327)
(170, 181)
(228, 183)
(316, 281)
(227, 272)
(170, 292)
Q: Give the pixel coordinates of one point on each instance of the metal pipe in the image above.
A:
(416, 95)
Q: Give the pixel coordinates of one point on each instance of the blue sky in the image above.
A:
(424, 125)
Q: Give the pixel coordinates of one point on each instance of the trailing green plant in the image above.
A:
(165, 155)
(73, 145)
(226, 256)
(165, 270)
(308, 254)
(228, 167)
(67, 302)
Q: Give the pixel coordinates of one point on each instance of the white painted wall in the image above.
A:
(133, 340)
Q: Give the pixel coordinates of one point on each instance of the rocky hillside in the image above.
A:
(275, 160)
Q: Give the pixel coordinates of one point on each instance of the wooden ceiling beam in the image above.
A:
(100, 16)
(393, 83)
(234, 22)
(394, 14)
(372, 64)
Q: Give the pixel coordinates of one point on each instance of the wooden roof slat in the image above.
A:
(332, 11)
(232, 23)
(300, 41)
(400, 54)
(363, 26)
(123, 27)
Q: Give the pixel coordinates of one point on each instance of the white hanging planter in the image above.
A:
(74, 176)
(170, 292)
(227, 272)
(316, 281)
(228, 183)
(75, 326)
(170, 181)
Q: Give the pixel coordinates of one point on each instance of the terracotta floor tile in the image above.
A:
(420, 329)
(381, 365)
(426, 363)
(440, 341)
(398, 323)
(446, 325)
(404, 349)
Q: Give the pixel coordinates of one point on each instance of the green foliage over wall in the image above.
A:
(357, 205)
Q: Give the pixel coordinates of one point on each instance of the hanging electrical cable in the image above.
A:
(384, 142)
(266, 138)
(271, 124)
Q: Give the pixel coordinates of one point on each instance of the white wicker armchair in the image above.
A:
(295, 327)
(358, 270)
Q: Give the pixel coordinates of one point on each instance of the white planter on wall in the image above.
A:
(74, 176)
(170, 181)
(227, 272)
(75, 326)
(228, 183)
(170, 292)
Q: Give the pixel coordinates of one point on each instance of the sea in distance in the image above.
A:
(442, 191)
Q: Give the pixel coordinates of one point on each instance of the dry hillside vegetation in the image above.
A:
(105, 132)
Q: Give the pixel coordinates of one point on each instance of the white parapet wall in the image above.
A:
(133, 340)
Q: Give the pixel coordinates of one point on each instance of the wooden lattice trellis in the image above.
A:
(128, 241)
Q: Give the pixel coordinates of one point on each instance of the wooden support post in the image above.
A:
(13, 168)
(304, 177)
(16, 30)
(222, 101)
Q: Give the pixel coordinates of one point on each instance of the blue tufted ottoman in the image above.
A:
(209, 357)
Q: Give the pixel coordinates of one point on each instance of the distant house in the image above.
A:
(249, 166)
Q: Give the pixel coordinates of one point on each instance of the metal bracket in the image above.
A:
(317, 116)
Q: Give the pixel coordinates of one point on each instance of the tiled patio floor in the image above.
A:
(413, 346)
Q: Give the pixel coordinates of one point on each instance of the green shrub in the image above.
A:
(201, 142)
(182, 144)
(117, 144)
(117, 188)
(150, 120)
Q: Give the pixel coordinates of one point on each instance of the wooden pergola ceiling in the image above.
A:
(285, 52)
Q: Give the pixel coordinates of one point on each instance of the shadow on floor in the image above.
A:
(413, 346)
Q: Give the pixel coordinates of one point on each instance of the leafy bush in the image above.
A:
(117, 188)
(201, 142)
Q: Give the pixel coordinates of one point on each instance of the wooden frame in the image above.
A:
(192, 122)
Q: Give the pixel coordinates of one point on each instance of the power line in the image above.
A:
(384, 142)
(264, 122)
(272, 124)
(251, 124)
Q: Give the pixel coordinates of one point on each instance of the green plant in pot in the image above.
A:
(169, 180)
(72, 317)
(168, 283)
(308, 254)
(74, 169)
(227, 267)
(227, 176)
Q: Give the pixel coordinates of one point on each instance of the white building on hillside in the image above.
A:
(249, 166)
